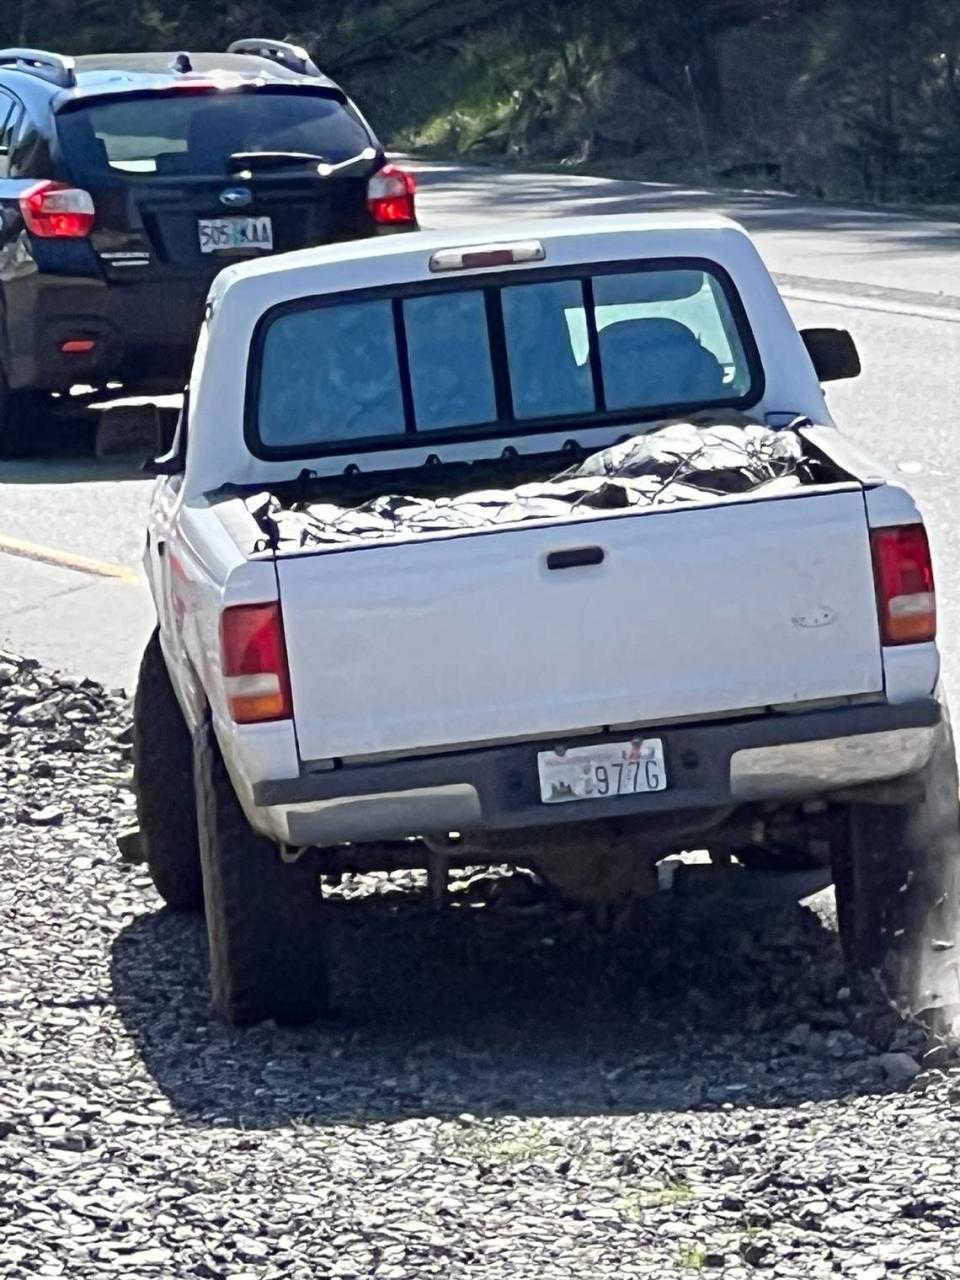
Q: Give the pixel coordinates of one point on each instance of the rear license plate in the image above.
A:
(602, 771)
(233, 234)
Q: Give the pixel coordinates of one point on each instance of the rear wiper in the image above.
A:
(273, 159)
(251, 160)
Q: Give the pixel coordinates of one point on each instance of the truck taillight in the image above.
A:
(906, 596)
(255, 663)
(390, 196)
(55, 211)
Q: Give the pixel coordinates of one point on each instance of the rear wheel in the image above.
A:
(163, 781)
(21, 421)
(129, 430)
(897, 880)
(264, 916)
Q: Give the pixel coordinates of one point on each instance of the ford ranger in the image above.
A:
(533, 545)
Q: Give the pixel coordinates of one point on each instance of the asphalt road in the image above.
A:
(71, 529)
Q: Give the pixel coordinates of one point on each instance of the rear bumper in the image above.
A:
(144, 333)
(709, 766)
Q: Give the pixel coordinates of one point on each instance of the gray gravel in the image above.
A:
(509, 1090)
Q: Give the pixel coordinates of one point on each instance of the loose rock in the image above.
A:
(482, 1105)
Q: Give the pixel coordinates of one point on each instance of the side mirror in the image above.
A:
(173, 462)
(833, 352)
(170, 464)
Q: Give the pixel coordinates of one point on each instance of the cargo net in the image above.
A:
(678, 463)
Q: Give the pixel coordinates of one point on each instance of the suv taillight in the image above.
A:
(54, 211)
(390, 196)
(255, 663)
(906, 595)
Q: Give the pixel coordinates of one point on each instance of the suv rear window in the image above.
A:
(513, 357)
(194, 134)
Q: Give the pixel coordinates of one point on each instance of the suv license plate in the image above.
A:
(602, 771)
(235, 234)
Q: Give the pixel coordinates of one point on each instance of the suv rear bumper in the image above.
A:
(716, 765)
(144, 333)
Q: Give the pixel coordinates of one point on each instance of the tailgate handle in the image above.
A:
(576, 559)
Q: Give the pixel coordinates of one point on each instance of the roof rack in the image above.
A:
(291, 56)
(53, 67)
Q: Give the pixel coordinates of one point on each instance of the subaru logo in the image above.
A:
(236, 197)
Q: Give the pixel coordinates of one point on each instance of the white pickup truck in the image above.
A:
(532, 544)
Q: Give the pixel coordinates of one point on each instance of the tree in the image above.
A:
(867, 103)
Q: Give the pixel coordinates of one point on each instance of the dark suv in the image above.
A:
(128, 180)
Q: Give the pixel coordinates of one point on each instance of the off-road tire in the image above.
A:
(20, 421)
(265, 917)
(163, 781)
(896, 875)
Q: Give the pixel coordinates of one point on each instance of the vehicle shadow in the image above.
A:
(507, 1006)
(75, 445)
(60, 467)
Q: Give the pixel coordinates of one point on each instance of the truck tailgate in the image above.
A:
(692, 611)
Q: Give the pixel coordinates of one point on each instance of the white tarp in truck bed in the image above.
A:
(681, 462)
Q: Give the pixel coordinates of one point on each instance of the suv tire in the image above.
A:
(163, 781)
(264, 916)
(897, 879)
(19, 425)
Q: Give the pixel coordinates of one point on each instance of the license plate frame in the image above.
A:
(235, 235)
(603, 771)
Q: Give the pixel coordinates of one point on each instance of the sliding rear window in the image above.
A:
(519, 355)
(178, 133)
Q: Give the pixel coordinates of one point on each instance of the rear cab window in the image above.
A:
(478, 358)
(193, 134)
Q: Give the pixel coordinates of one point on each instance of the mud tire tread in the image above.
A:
(163, 781)
(897, 881)
(265, 917)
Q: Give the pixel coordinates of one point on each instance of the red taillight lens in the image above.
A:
(390, 196)
(906, 594)
(255, 663)
(55, 211)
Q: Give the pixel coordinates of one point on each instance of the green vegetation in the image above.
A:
(835, 98)
(677, 1191)
(692, 1257)
(501, 1143)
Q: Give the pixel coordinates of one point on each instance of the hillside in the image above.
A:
(834, 98)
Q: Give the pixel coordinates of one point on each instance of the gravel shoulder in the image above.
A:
(509, 1089)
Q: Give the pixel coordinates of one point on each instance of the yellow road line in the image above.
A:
(67, 560)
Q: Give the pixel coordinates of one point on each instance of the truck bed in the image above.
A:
(679, 462)
(608, 618)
